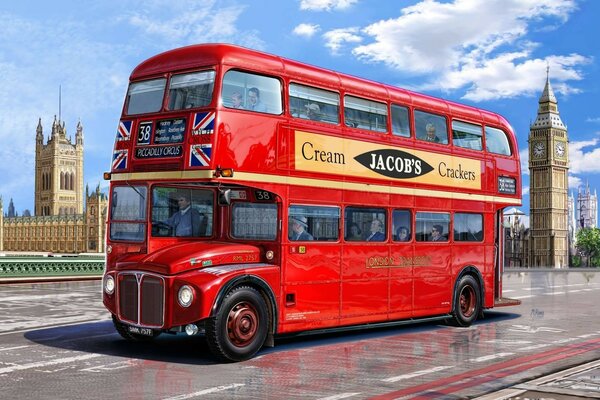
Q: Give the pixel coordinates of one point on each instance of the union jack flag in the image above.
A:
(204, 123)
(119, 160)
(124, 131)
(200, 155)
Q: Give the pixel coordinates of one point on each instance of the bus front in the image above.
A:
(187, 249)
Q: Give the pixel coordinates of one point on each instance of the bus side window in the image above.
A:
(315, 104)
(400, 125)
(468, 136)
(432, 226)
(259, 93)
(496, 141)
(318, 223)
(365, 224)
(431, 127)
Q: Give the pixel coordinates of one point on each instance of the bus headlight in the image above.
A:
(109, 284)
(185, 296)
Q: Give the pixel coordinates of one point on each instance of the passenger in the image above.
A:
(430, 134)
(254, 102)
(354, 232)
(376, 231)
(186, 221)
(313, 111)
(402, 234)
(437, 232)
(297, 229)
(236, 100)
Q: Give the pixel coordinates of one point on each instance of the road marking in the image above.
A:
(43, 364)
(418, 373)
(490, 357)
(339, 396)
(113, 366)
(13, 348)
(205, 391)
(522, 297)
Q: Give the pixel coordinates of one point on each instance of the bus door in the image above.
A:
(311, 276)
(401, 265)
(366, 265)
(432, 261)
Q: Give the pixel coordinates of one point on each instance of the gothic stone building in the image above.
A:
(61, 223)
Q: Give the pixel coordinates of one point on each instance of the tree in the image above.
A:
(588, 244)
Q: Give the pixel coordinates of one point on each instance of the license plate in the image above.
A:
(140, 331)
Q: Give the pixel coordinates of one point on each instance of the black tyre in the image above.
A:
(467, 302)
(125, 334)
(240, 327)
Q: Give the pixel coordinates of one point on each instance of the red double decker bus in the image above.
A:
(253, 196)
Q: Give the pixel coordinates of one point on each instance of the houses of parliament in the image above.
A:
(66, 220)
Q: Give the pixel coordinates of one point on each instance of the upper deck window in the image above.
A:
(252, 92)
(145, 97)
(431, 127)
(365, 114)
(314, 104)
(496, 141)
(467, 135)
(191, 90)
(400, 124)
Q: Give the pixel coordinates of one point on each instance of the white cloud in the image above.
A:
(189, 22)
(525, 190)
(336, 38)
(594, 120)
(584, 156)
(477, 44)
(574, 182)
(326, 5)
(306, 30)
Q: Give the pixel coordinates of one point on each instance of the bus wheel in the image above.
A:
(125, 334)
(239, 328)
(467, 304)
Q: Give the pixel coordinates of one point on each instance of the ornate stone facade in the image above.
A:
(548, 168)
(62, 223)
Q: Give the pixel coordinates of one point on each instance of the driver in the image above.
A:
(186, 221)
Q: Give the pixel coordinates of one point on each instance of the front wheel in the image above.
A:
(467, 302)
(240, 327)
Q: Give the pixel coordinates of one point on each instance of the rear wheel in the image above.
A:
(124, 332)
(467, 303)
(240, 327)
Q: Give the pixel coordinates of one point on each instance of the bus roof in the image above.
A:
(199, 55)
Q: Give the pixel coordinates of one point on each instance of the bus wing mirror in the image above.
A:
(225, 197)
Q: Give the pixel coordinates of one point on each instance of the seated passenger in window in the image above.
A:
(402, 234)
(437, 233)
(376, 231)
(430, 135)
(254, 102)
(354, 232)
(186, 221)
(313, 111)
(236, 100)
(297, 228)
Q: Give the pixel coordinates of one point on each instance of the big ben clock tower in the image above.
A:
(548, 169)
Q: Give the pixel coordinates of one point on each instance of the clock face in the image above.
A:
(559, 149)
(539, 149)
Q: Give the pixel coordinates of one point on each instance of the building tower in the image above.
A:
(587, 209)
(95, 216)
(58, 171)
(548, 168)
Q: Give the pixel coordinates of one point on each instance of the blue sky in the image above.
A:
(487, 53)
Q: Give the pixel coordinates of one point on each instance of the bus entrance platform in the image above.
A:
(577, 383)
